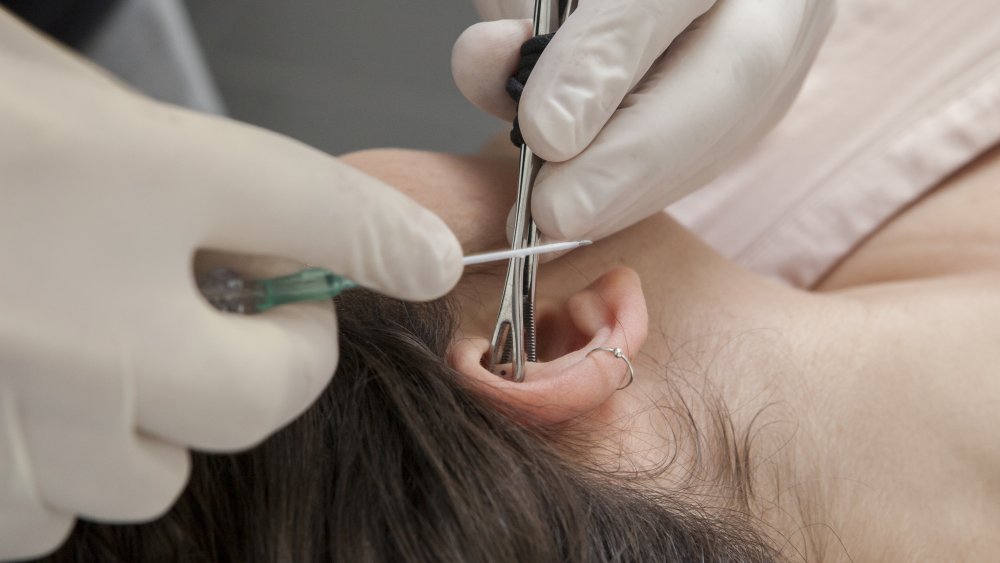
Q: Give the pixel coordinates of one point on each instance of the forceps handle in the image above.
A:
(514, 338)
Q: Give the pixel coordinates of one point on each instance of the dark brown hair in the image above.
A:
(399, 461)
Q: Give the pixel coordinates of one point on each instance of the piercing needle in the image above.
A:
(227, 291)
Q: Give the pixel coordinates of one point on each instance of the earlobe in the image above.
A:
(570, 381)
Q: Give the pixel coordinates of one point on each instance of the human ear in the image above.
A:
(570, 381)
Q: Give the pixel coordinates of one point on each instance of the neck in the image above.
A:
(721, 395)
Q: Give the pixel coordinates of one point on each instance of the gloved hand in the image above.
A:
(637, 103)
(111, 362)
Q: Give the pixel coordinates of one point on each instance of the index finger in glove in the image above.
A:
(28, 526)
(722, 87)
(600, 53)
(216, 381)
(275, 197)
(484, 58)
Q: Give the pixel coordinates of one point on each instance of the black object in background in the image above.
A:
(68, 21)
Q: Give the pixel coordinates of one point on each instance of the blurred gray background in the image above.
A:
(344, 75)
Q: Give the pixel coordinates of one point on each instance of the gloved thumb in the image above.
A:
(482, 60)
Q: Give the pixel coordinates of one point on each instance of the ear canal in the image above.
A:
(570, 381)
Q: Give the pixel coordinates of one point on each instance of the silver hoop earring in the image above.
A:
(621, 355)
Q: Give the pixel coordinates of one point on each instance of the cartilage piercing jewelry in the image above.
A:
(621, 355)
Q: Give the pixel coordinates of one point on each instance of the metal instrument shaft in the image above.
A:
(514, 339)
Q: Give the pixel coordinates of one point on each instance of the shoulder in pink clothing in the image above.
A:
(904, 94)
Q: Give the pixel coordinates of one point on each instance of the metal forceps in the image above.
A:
(514, 340)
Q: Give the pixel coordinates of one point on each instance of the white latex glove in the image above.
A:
(111, 362)
(629, 126)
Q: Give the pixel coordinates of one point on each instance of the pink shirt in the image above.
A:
(903, 94)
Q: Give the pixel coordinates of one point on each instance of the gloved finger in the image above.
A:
(114, 478)
(28, 532)
(214, 381)
(599, 54)
(482, 60)
(697, 109)
(77, 436)
(31, 531)
(295, 202)
(28, 527)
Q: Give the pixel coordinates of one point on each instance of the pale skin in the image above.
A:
(873, 398)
